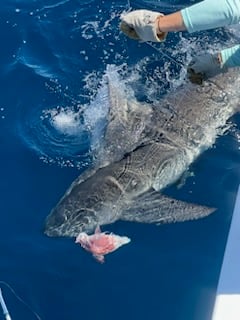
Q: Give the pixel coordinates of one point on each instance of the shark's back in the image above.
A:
(191, 116)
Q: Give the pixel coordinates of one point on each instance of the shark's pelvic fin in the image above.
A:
(153, 207)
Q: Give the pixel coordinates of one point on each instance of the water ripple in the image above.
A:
(57, 135)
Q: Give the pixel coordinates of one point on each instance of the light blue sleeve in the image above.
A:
(209, 14)
(231, 56)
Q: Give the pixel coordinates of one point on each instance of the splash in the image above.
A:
(66, 121)
(68, 135)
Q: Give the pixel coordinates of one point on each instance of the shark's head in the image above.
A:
(86, 205)
(70, 217)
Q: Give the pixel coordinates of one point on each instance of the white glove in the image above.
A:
(205, 66)
(142, 25)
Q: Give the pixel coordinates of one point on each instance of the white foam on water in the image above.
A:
(96, 114)
(66, 121)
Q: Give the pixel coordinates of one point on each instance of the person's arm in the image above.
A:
(171, 22)
(210, 14)
(148, 25)
(204, 15)
(208, 65)
(230, 57)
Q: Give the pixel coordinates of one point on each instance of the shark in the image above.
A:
(146, 148)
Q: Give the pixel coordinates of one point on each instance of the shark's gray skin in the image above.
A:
(150, 147)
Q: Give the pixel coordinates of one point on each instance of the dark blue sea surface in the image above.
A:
(54, 55)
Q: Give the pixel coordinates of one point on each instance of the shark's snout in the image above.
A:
(54, 223)
(51, 232)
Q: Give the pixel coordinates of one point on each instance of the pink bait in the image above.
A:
(101, 243)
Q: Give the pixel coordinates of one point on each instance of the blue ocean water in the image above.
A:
(53, 57)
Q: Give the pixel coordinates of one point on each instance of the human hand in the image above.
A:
(142, 25)
(204, 66)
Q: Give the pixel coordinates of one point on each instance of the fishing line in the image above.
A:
(165, 55)
(4, 307)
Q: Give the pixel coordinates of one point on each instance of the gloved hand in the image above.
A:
(204, 66)
(142, 25)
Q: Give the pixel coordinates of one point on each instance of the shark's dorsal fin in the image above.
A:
(153, 207)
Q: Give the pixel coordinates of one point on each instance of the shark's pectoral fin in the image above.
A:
(153, 207)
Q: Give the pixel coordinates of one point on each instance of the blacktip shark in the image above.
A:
(147, 148)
